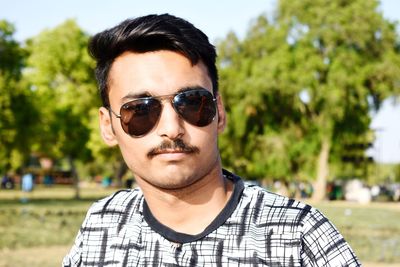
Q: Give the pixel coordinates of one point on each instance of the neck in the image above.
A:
(191, 209)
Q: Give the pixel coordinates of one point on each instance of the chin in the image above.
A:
(174, 182)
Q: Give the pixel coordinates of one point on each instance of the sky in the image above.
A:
(215, 17)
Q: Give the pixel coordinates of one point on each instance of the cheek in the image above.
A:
(205, 139)
(133, 151)
(209, 153)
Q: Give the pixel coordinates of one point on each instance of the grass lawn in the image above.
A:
(50, 217)
(40, 232)
(373, 230)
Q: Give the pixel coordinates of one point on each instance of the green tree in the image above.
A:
(302, 84)
(60, 72)
(16, 108)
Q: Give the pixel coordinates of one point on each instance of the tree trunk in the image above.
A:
(322, 171)
(75, 177)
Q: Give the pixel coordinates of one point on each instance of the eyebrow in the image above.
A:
(133, 96)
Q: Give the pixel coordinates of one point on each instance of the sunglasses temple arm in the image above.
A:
(115, 114)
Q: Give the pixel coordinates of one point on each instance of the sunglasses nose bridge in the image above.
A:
(170, 100)
(167, 98)
(169, 121)
(164, 98)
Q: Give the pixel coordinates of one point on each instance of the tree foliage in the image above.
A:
(302, 83)
(49, 102)
(16, 110)
(60, 72)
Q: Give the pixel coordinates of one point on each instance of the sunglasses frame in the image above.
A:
(161, 99)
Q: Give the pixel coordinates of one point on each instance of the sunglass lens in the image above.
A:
(138, 117)
(197, 107)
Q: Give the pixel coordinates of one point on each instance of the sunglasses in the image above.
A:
(139, 116)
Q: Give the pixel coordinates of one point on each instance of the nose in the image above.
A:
(170, 125)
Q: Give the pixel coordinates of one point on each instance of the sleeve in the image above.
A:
(74, 256)
(323, 245)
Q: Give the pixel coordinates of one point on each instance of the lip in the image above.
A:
(172, 155)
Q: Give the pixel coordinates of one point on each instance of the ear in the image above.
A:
(221, 114)
(106, 129)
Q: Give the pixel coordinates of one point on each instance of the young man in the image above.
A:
(159, 86)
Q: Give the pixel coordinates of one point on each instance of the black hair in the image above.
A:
(151, 33)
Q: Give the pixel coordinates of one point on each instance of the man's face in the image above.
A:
(156, 74)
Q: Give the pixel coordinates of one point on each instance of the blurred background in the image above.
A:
(311, 89)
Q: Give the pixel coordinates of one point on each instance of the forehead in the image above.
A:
(155, 73)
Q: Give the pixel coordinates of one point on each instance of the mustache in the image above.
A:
(176, 145)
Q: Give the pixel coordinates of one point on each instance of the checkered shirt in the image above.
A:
(256, 228)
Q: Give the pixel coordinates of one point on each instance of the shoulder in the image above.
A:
(114, 209)
(281, 213)
(286, 218)
(120, 200)
(267, 209)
